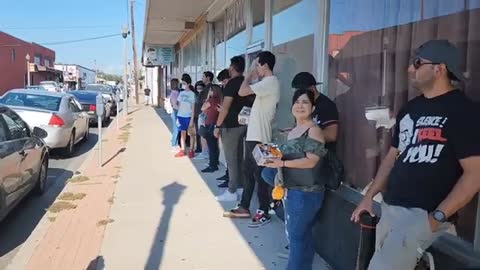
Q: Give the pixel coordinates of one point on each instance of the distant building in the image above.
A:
(76, 76)
(13, 63)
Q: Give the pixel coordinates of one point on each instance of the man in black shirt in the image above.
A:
(326, 113)
(223, 78)
(433, 167)
(232, 133)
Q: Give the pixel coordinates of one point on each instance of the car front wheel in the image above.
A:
(41, 184)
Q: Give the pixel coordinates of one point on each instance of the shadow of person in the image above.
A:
(97, 264)
(171, 196)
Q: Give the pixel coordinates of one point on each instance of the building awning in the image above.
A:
(167, 21)
(39, 68)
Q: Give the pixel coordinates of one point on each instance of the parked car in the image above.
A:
(23, 160)
(36, 87)
(60, 114)
(108, 93)
(88, 101)
(51, 86)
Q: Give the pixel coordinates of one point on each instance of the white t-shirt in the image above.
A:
(185, 101)
(267, 93)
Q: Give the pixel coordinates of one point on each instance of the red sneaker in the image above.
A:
(180, 154)
(191, 154)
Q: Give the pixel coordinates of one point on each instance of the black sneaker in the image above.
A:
(223, 178)
(210, 169)
(223, 185)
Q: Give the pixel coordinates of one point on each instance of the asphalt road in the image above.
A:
(21, 222)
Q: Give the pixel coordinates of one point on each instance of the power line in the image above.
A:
(59, 27)
(78, 40)
(61, 42)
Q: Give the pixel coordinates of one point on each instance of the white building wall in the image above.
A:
(151, 81)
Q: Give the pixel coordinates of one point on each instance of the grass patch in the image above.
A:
(116, 176)
(78, 172)
(126, 127)
(69, 196)
(105, 222)
(118, 167)
(130, 119)
(60, 206)
(104, 140)
(78, 179)
(52, 219)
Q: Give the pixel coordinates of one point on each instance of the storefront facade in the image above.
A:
(360, 51)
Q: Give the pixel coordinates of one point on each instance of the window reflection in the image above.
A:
(292, 36)
(370, 45)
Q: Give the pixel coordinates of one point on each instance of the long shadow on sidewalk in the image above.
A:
(259, 239)
(171, 196)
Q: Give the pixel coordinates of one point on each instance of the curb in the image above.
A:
(22, 257)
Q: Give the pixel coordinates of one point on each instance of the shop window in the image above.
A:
(370, 45)
(236, 45)
(38, 59)
(292, 36)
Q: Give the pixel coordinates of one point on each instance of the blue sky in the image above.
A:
(42, 21)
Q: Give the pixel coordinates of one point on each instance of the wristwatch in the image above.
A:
(439, 216)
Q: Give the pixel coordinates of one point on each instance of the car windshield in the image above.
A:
(101, 88)
(89, 98)
(32, 101)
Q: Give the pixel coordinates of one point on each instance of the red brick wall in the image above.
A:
(13, 71)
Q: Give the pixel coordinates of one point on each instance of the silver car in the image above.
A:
(23, 160)
(60, 114)
(51, 86)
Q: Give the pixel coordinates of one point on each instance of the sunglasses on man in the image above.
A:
(417, 62)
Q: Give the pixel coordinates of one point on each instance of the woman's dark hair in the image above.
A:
(216, 89)
(174, 84)
(186, 78)
(303, 91)
(199, 83)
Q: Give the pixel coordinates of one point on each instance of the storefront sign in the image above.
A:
(158, 56)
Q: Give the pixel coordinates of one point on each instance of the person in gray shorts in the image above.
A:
(433, 167)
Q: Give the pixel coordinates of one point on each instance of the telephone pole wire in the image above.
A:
(134, 47)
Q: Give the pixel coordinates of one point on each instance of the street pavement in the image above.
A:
(21, 222)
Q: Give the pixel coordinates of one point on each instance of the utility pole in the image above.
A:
(125, 33)
(134, 47)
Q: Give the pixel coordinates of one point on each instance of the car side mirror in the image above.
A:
(40, 133)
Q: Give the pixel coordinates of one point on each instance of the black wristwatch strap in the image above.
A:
(439, 216)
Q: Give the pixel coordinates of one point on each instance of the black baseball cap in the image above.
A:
(304, 80)
(444, 52)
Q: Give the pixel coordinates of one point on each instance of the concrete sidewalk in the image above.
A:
(166, 216)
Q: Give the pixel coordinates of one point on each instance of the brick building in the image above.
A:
(13, 63)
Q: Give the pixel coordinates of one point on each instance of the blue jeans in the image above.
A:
(173, 116)
(300, 208)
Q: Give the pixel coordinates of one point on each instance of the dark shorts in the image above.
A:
(184, 122)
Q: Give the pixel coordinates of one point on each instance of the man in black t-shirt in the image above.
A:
(232, 133)
(326, 113)
(433, 167)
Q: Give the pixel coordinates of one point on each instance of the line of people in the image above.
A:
(431, 171)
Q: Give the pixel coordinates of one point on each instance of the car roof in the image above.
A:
(85, 92)
(36, 92)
